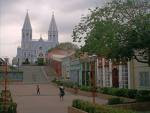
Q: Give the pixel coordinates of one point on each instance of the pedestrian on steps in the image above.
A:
(38, 90)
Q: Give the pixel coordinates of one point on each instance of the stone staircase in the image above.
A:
(50, 72)
(33, 74)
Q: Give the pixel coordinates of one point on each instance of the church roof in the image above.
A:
(53, 26)
(27, 25)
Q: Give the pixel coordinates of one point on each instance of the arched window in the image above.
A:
(40, 48)
(24, 54)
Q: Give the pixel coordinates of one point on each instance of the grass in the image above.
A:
(144, 112)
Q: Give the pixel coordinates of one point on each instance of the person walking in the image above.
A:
(62, 92)
(38, 90)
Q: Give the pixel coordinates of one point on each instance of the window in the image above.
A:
(125, 76)
(29, 55)
(144, 79)
(40, 48)
(100, 71)
(107, 77)
(24, 54)
(27, 34)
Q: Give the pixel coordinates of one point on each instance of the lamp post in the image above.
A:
(5, 82)
(92, 63)
(18, 64)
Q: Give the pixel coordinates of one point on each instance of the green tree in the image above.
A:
(66, 46)
(40, 61)
(119, 30)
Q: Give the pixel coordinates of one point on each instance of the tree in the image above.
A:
(65, 46)
(120, 30)
(40, 61)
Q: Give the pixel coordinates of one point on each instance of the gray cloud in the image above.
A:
(12, 14)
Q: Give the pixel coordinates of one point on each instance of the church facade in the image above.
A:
(32, 49)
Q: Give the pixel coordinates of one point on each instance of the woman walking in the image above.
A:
(62, 92)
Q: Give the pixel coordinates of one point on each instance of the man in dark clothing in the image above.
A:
(38, 90)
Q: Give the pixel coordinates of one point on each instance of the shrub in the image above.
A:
(104, 90)
(86, 88)
(40, 61)
(68, 84)
(143, 95)
(12, 107)
(77, 103)
(113, 101)
(112, 91)
(131, 93)
(95, 108)
(121, 92)
(54, 80)
(8, 94)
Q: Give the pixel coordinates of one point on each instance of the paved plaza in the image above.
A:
(47, 102)
(24, 94)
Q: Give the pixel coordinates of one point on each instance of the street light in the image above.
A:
(18, 64)
(5, 81)
(92, 63)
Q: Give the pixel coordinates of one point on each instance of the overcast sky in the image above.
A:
(12, 15)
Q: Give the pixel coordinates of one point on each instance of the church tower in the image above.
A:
(53, 31)
(26, 32)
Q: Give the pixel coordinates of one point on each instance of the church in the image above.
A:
(32, 49)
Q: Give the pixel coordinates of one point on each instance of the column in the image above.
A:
(110, 72)
(120, 76)
(97, 73)
(85, 69)
(129, 76)
(80, 72)
(103, 70)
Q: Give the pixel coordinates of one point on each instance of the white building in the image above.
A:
(112, 75)
(131, 74)
(32, 49)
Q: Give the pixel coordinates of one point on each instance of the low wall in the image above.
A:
(79, 92)
(75, 110)
(141, 106)
(12, 76)
(105, 96)
(100, 95)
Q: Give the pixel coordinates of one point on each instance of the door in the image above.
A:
(115, 77)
